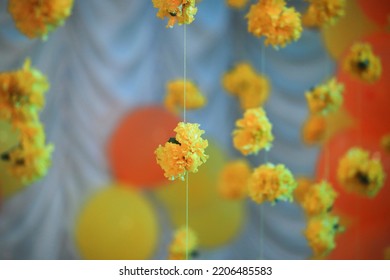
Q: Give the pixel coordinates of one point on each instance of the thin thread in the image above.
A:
(187, 215)
(185, 71)
(184, 119)
(262, 69)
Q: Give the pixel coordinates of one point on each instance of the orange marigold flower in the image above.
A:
(319, 198)
(323, 12)
(253, 132)
(177, 11)
(177, 249)
(184, 153)
(271, 183)
(359, 173)
(233, 179)
(320, 233)
(251, 88)
(362, 63)
(37, 18)
(272, 19)
(326, 97)
(174, 99)
(22, 93)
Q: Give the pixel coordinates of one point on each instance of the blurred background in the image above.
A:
(108, 67)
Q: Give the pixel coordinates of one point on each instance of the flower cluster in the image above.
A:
(177, 249)
(359, 173)
(251, 88)
(177, 11)
(184, 153)
(362, 63)
(320, 233)
(21, 98)
(38, 18)
(318, 198)
(272, 183)
(253, 132)
(323, 12)
(174, 99)
(300, 191)
(233, 179)
(272, 19)
(325, 98)
(237, 4)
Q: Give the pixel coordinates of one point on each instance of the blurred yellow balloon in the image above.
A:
(348, 29)
(215, 225)
(117, 223)
(202, 185)
(8, 139)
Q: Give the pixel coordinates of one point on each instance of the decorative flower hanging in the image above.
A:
(323, 12)
(21, 98)
(251, 88)
(319, 198)
(362, 63)
(178, 248)
(37, 18)
(177, 11)
(359, 173)
(184, 153)
(272, 19)
(233, 179)
(271, 183)
(320, 233)
(174, 99)
(326, 97)
(253, 132)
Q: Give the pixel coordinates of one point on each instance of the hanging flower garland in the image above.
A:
(323, 12)
(177, 11)
(36, 19)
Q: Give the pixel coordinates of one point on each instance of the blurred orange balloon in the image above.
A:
(377, 11)
(362, 212)
(349, 28)
(132, 145)
(370, 102)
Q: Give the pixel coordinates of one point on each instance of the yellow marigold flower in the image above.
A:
(385, 143)
(319, 198)
(237, 4)
(37, 18)
(177, 249)
(174, 99)
(359, 174)
(326, 97)
(362, 64)
(320, 233)
(323, 12)
(251, 88)
(233, 179)
(22, 93)
(253, 132)
(314, 129)
(177, 11)
(184, 153)
(302, 188)
(272, 19)
(272, 183)
(32, 158)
